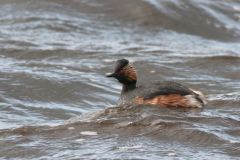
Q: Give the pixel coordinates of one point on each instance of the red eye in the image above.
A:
(121, 71)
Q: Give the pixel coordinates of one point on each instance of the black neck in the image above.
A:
(128, 87)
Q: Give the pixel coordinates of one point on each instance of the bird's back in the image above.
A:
(164, 93)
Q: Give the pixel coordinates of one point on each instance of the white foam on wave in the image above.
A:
(79, 72)
(108, 60)
(89, 133)
(228, 27)
(153, 71)
(207, 113)
(80, 140)
(118, 88)
(108, 73)
(93, 80)
(171, 154)
(217, 25)
(90, 67)
(234, 142)
(102, 66)
(236, 8)
(54, 125)
(129, 147)
(64, 68)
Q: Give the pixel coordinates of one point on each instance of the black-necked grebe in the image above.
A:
(164, 93)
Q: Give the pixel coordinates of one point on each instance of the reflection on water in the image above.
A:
(57, 103)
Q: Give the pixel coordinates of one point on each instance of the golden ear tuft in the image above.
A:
(130, 73)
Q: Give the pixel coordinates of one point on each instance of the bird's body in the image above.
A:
(165, 93)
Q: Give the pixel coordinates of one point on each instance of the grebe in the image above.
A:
(164, 93)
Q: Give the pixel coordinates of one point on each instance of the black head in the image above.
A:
(124, 72)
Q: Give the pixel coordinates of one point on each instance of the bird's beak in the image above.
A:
(112, 75)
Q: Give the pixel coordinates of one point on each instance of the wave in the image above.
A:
(232, 97)
(181, 124)
(128, 127)
(209, 19)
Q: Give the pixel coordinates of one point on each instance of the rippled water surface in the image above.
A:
(57, 103)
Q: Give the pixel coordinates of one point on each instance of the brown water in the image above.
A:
(56, 102)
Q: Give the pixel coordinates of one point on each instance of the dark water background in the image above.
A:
(56, 103)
